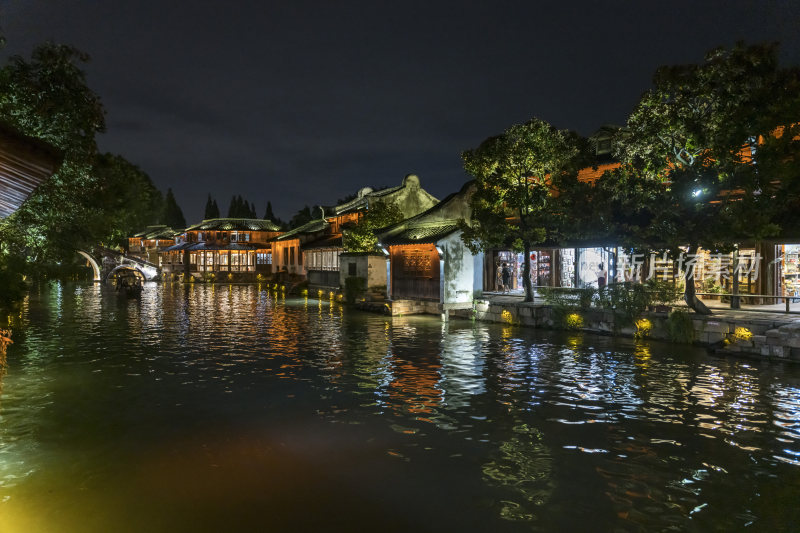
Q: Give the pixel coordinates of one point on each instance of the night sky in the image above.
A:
(305, 102)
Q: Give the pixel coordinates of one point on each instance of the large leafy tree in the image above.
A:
(362, 237)
(126, 198)
(693, 141)
(513, 174)
(47, 97)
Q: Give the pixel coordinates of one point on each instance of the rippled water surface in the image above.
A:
(230, 408)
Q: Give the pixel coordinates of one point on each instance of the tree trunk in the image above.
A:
(526, 274)
(735, 303)
(689, 294)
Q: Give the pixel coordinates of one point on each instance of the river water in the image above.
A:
(232, 408)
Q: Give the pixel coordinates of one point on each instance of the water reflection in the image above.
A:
(461, 425)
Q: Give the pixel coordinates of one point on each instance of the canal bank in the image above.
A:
(762, 335)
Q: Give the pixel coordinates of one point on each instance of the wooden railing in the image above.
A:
(415, 289)
(323, 278)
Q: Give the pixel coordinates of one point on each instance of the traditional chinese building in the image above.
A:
(240, 247)
(314, 249)
(149, 243)
(430, 268)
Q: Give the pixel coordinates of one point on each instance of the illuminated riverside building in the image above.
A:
(239, 247)
(430, 270)
(313, 250)
(148, 243)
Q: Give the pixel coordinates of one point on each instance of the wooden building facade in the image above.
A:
(236, 246)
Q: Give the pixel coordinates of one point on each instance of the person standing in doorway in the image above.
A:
(602, 276)
(506, 274)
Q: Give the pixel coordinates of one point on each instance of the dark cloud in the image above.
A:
(303, 102)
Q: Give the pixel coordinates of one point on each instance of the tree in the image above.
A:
(241, 208)
(47, 97)
(363, 236)
(126, 201)
(303, 216)
(234, 207)
(212, 211)
(173, 215)
(512, 174)
(693, 140)
(268, 214)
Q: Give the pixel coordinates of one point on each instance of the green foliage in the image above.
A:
(513, 172)
(241, 208)
(569, 298)
(12, 285)
(354, 287)
(662, 292)
(303, 216)
(573, 321)
(47, 98)
(212, 209)
(126, 200)
(268, 214)
(363, 236)
(173, 214)
(628, 300)
(693, 139)
(680, 327)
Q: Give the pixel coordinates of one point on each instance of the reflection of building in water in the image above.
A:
(463, 363)
(414, 367)
(367, 355)
(523, 464)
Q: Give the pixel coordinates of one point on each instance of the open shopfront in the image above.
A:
(554, 267)
(788, 275)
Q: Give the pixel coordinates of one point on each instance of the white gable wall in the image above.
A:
(462, 276)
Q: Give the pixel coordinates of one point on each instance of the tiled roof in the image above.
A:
(200, 246)
(179, 247)
(235, 224)
(156, 232)
(328, 241)
(309, 227)
(358, 202)
(421, 235)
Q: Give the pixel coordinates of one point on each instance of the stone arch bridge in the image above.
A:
(105, 262)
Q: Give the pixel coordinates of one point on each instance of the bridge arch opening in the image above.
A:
(92, 263)
(127, 268)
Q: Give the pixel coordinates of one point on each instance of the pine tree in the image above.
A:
(233, 208)
(269, 215)
(212, 211)
(173, 215)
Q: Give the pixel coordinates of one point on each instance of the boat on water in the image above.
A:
(128, 283)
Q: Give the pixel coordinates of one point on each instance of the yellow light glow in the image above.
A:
(507, 316)
(742, 334)
(573, 321)
(643, 328)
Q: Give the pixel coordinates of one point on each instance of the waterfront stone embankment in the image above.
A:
(765, 335)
